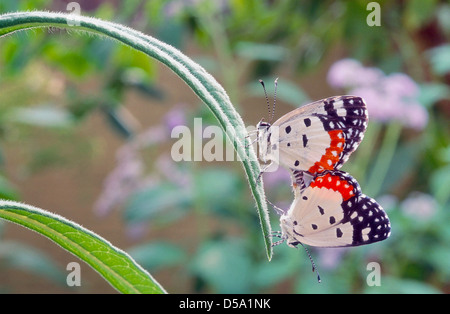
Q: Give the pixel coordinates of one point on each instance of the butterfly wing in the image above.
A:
(321, 135)
(333, 212)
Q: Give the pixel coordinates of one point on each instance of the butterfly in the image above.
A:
(316, 137)
(330, 210)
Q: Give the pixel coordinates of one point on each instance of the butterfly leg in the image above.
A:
(277, 234)
(262, 171)
(249, 136)
(278, 242)
(259, 177)
(251, 143)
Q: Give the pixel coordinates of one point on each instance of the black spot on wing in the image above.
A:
(305, 140)
(321, 210)
(329, 107)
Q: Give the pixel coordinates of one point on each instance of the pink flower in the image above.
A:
(369, 76)
(348, 73)
(343, 73)
(380, 107)
(120, 183)
(420, 206)
(129, 174)
(400, 84)
(330, 258)
(280, 176)
(176, 116)
(416, 116)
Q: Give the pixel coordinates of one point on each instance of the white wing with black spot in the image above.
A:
(331, 211)
(315, 137)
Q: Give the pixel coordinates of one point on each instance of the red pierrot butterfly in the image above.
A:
(329, 210)
(314, 141)
(316, 137)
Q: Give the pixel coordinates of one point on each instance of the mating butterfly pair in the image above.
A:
(314, 141)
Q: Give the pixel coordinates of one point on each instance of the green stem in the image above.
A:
(365, 152)
(384, 158)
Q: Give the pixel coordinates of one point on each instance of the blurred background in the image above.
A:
(85, 132)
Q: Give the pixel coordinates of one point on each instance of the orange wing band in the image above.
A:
(335, 183)
(332, 153)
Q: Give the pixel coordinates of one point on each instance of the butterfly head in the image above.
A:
(262, 125)
(266, 138)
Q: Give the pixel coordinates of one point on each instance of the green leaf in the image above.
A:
(286, 263)
(118, 121)
(225, 265)
(20, 256)
(440, 181)
(116, 266)
(257, 51)
(157, 255)
(148, 203)
(440, 59)
(124, 57)
(43, 115)
(418, 13)
(201, 82)
(7, 190)
(391, 285)
(73, 63)
(206, 184)
(430, 93)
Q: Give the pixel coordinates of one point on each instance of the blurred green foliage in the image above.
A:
(238, 42)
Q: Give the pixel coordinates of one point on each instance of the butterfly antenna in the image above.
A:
(314, 268)
(265, 93)
(274, 100)
(276, 208)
